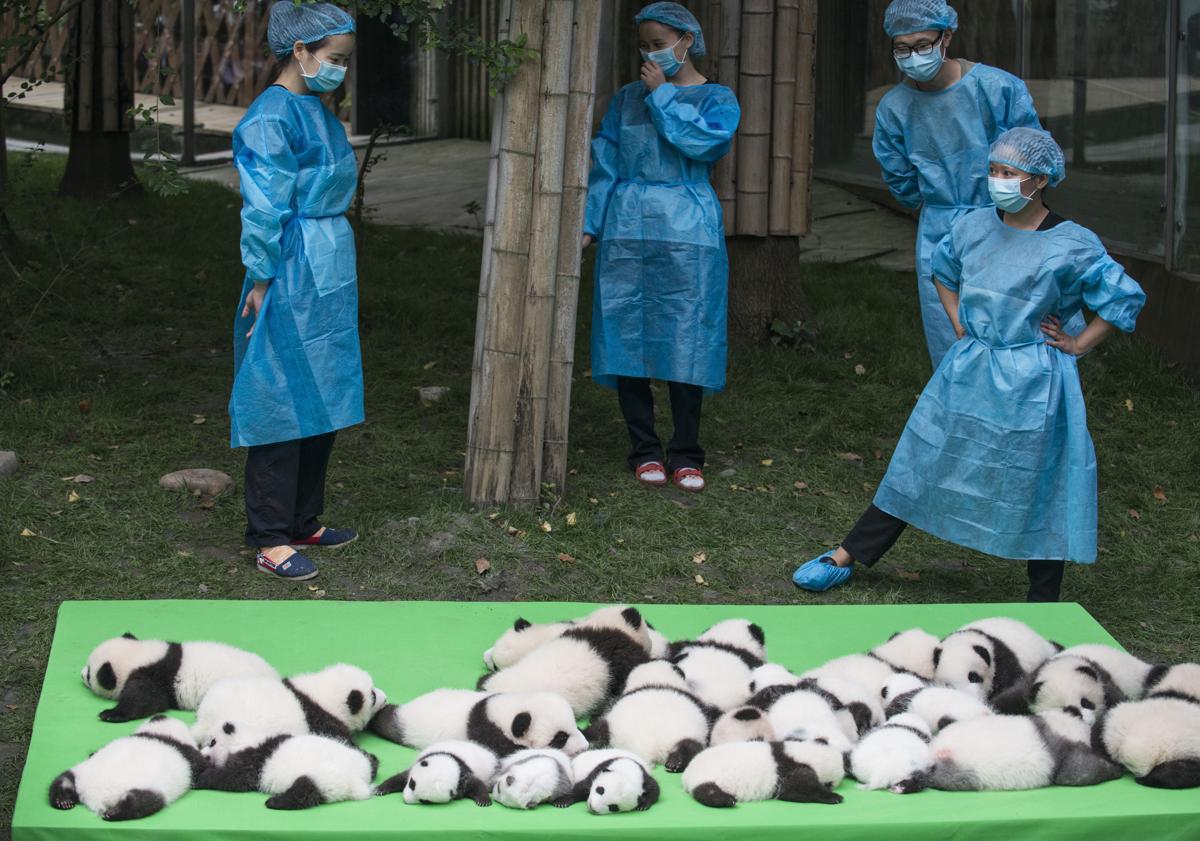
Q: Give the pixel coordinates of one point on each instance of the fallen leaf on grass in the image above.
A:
(482, 565)
(860, 370)
(867, 486)
(855, 457)
(1129, 405)
(1159, 494)
(767, 462)
(879, 455)
(546, 527)
(908, 576)
(800, 486)
(85, 406)
(593, 500)
(572, 519)
(700, 580)
(1133, 512)
(1171, 424)
(847, 355)
(699, 557)
(493, 515)
(565, 558)
(80, 479)
(73, 497)
(199, 419)
(428, 366)
(28, 533)
(1194, 538)
(206, 503)
(318, 594)
(312, 588)
(203, 588)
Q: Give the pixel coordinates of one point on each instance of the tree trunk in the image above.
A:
(763, 286)
(99, 95)
(9, 245)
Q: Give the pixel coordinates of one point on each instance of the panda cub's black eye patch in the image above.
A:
(600, 790)
(424, 764)
(560, 739)
(1086, 704)
(975, 677)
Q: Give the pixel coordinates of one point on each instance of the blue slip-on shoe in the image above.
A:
(821, 574)
(295, 568)
(328, 539)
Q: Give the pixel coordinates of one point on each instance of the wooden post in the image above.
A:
(787, 19)
(538, 319)
(754, 133)
(802, 121)
(724, 174)
(575, 177)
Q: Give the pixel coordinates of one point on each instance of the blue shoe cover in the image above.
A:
(821, 574)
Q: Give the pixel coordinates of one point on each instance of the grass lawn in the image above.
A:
(116, 362)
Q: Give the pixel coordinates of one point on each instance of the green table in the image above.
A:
(413, 647)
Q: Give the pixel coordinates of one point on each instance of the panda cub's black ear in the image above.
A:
(521, 624)
(633, 616)
(984, 654)
(756, 631)
(228, 728)
(747, 714)
(893, 636)
(521, 723)
(1089, 671)
(354, 701)
(937, 656)
(106, 677)
(128, 636)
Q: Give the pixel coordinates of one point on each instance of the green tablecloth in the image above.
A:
(413, 647)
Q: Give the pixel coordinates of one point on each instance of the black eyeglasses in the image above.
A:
(923, 49)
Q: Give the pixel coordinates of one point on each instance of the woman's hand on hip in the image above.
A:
(587, 240)
(1059, 338)
(652, 75)
(254, 302)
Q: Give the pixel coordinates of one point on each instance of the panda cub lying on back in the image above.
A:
(146, 677)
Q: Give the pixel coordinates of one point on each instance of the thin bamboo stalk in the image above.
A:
(538, 321)
(730, 45)
(787, 21)
(800, 214)
(754, 132)
(491, 427)
(566, 297)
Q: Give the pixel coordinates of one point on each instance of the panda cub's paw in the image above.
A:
(62, 792)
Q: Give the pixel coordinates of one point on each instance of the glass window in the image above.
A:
(1097, 70)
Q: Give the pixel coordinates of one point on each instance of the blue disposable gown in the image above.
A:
(300, 373)
(662, 274)
(933, 149)
(996, 454)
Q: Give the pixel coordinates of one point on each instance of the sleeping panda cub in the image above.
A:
(742, 724)
(718, 664)
(938, 706)
(1157, 739)
(909, 651)
(529, 778)
(524, 636)
(989, 656)
(895, 755)
(586, 664)
(299, 772)
(661, 723)
(1062, 681)
(337, 701)
(504, 722)
(1181, 681)
(146, 677)
(740, 772)
(611, 781)
(134, 776)
(444, 772)
(1127, 672)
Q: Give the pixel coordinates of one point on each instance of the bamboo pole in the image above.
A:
(575, 178)
(729, 45)
(802, 129)
(783, 104)
(492, 424)
(538, 321)
(754, 132)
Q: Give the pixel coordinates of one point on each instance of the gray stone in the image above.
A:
(8, 463)
(207, 482)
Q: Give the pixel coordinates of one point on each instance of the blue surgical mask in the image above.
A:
(1006, 193)
(665, 59)
(327, 78)
(921, 68)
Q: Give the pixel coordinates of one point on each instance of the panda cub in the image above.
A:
(504, 722)
(1062, 681)
(718, 664)
(740, 772)
(909, 651)
(895, 755)
(586, 664)
(134, 776)
(146, 677)
(864, 669)
(529, 778)
(1127, 672)
(661, 723)
(337, 701)
(742, 724)
(1181, 681)
(611, 781)
(938, 706)
(1012, 753)
(811, 714)
(1157, 739)
(989, 656)
(299, 772)
(446, 771)
(525, 636)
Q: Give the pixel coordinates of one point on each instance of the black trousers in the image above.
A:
(876, 531)
(637, 405)
(285, 489)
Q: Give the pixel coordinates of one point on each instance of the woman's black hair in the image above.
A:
(281, 62)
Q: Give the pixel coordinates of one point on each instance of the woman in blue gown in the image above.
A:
(932, 133)
(662, 273)
(996, 455)
(297, 366)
